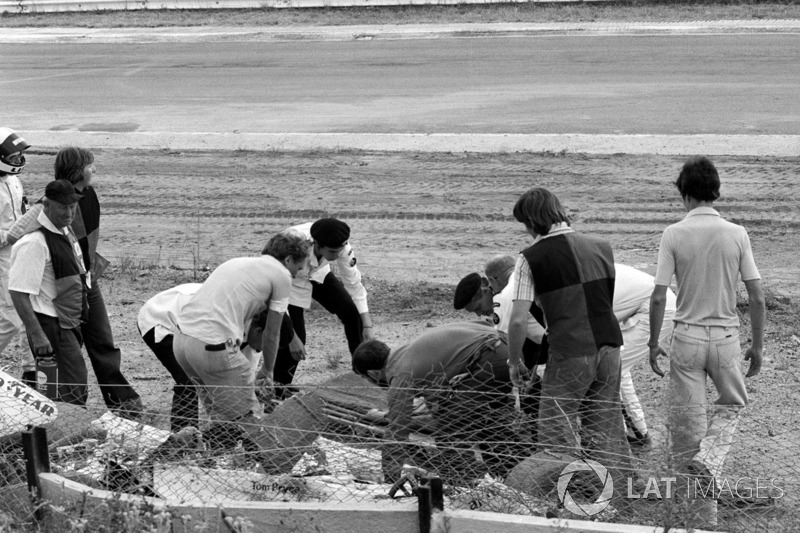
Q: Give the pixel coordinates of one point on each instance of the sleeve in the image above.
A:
(747, 266)
(27, 224)
(401, 405)
(279, 299)
(666, 261)
(27, 266)
(523, 282)
(345, 268)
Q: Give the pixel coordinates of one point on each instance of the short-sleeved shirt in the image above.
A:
(344, 268)
(503, 302)
(31, 269)
(160, 311)
(234, 293)
(707, 255)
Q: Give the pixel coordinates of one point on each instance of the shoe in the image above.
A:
(640, 442)
(131, 409)
(29, 378)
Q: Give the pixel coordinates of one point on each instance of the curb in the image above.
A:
(393, 32)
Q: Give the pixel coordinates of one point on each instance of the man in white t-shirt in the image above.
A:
(212, 324)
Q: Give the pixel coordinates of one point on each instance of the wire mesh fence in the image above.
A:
(332, 443)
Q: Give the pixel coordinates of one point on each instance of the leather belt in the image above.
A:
(216, 347)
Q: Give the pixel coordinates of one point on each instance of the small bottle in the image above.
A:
(47, 377)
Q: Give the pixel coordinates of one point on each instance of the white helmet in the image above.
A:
(11, 143)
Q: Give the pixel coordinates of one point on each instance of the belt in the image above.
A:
(216, 347)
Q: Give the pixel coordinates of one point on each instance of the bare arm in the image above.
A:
(658, 303)
(517, 332)
(367, 331)
(269, 342)
(758, 311)
(40, 344)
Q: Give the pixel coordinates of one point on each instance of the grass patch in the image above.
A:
(631, 10)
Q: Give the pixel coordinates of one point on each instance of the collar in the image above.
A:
(46, 223)
(559, 228)
(702, 211)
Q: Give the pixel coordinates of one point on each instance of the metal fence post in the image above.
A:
(431, 500)
(37, 460)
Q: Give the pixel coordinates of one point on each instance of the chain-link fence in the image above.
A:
(332, 443)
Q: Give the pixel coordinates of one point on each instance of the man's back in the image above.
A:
(706, 254)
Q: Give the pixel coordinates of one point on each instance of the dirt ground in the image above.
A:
(420, 222)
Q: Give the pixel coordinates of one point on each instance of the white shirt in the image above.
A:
(31, 269)
(344, 268)
(161, 310)
(233, 294)
(503, 303)
(10, 204)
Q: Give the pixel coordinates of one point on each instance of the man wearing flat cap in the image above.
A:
(333, 280)
(47, 283)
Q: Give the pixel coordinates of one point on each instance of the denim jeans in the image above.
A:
(225, 380)
(700, 352)
(587, 386)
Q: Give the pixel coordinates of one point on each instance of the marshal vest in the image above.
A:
(70, 301)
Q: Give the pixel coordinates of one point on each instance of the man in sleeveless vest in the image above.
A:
(570, 277)
(47, 283)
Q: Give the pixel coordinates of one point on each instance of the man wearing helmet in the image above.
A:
(12, 207)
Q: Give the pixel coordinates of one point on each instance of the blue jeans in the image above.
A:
(697, 353)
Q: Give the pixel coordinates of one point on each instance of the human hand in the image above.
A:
(40, 344)
(367, 333)
(297, 349)
(754, 356)
(655, 351)
(518, 372)
(265, 390)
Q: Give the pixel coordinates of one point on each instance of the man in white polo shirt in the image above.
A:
(707, 255)
(213, 322)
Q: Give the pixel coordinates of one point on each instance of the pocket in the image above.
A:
(686, 351)
(728, 351)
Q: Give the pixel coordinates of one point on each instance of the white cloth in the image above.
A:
(503, 303)
(235, 292)
(31, 269)
(11, 194)
(160, 311)
(344, 268)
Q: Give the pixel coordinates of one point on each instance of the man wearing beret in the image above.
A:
(333, 280)
(47, 283)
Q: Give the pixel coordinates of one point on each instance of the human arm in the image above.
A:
(40, 344)
(394, 452)
(757, 308)
(26, 224)
(658, 303)
(269, 342)
(517, 332)
(367, 331)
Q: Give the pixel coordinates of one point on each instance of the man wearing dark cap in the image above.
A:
(333, 280)
(47, 283)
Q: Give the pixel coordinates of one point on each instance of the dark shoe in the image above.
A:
(640, 443)
(29, 378)
(131, 409)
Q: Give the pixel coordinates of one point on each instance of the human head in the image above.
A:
(61, 202)
(290, 248)
(74, 165)
(699, 180)
(11, 148)
(497, 270)
(539, 209)
(369, 358)
(330, 237)
(474, 295)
